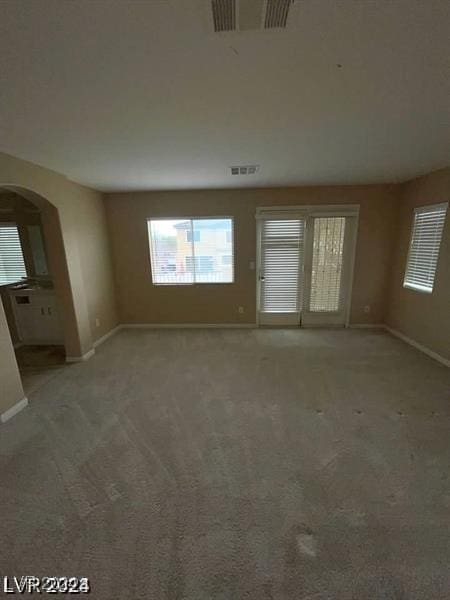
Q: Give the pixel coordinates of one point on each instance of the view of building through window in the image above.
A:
(185, 251)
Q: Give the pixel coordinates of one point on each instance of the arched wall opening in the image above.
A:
(57, 264)
(75, 226)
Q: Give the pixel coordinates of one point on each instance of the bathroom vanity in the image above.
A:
(36, 315)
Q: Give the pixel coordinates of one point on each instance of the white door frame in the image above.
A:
(308, 212)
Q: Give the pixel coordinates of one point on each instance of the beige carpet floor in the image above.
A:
(39, 364)
(36, 357)
(229, 464)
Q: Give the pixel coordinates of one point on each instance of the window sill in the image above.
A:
(195, 283)
(418, 288)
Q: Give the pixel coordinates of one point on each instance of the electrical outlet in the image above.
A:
(97, 322)
(367, 309)
(240, 309)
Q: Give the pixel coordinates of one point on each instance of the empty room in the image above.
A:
(225, 299)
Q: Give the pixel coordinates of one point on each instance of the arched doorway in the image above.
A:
(34, 344)
(33, 277)
(75, 214)
(57, 264)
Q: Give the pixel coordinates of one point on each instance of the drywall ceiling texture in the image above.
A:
(122, 95)
(422, 317)
(141, 302)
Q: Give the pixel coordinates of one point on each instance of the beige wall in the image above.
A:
(97, 272)
(86, 244)
(141, 302)
(425, 318)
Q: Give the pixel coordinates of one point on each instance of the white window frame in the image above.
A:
(417, 211)
(194, 218)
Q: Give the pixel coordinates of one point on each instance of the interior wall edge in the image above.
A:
(82, 358)
(107, 335)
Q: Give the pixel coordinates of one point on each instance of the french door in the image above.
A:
(304, 267)
(281, 270)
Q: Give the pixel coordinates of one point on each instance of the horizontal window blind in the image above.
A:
(12, 266)
(328, 248)
(424, 247)
(281, 257)
(187, 251)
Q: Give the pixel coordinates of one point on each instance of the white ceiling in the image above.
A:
(120, 94)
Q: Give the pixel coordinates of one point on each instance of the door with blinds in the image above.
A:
(304, 268)
(280, 270)
(329, 256)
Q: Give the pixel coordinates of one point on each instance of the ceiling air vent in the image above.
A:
(249, 15)
(276, 13)
(224, 15)
(245, 170)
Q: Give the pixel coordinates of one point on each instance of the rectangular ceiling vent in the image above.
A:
(245, 170)
(224, 15)
(249, 15)
(276, 13)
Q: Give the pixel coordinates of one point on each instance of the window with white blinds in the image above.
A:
(327, 259)
(424, 247)
(281, 257)
(12, 266)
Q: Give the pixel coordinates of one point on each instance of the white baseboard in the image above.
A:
(88, 355)
(394, 332)
(74, 359)
(188, 326)
(11, 412)
(366, 326)
(110, 333)
(41, 342)
(420, 347)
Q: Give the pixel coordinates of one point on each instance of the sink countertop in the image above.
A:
(30, 288)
